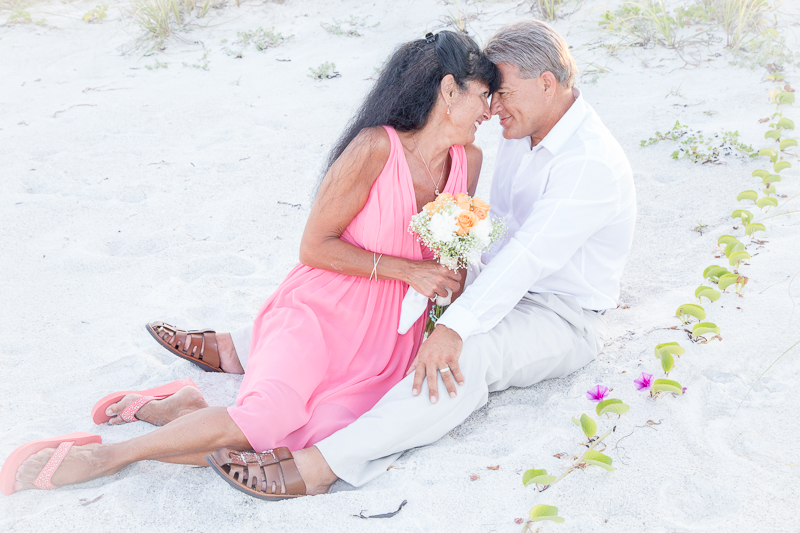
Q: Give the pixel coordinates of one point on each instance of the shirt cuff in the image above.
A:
(459, 320)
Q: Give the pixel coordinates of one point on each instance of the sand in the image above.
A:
(132, 194)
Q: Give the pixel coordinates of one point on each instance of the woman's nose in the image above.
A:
(487, 114)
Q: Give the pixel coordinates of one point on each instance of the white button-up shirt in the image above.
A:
(570, 206)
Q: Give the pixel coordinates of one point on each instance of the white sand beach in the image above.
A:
(174, 185)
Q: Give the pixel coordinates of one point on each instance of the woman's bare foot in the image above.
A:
(82, 463)
(228, 358)
(160, 412)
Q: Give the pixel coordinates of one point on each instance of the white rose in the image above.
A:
(443, 227)
(482, 231)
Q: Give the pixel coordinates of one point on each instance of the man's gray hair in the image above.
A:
(533, 47)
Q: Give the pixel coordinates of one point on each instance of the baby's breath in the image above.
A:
(459, 251)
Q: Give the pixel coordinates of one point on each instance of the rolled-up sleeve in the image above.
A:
(581, 196)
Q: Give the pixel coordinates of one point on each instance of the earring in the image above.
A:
(448, 109)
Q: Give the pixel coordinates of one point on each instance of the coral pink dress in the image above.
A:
(325, 346)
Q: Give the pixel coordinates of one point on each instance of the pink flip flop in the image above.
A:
(99, 410)
(8, 476)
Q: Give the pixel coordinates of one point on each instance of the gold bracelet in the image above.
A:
(375, 266)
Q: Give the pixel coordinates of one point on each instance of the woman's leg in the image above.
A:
(229, 360)
(185, 440)
(160, 412)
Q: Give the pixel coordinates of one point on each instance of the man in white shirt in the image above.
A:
(533, 312)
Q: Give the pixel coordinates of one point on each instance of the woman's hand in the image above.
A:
(432, 279)
(462, 275)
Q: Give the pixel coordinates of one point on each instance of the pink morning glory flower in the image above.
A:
(597, 393)
(644, 381)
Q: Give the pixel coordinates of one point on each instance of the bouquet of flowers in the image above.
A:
(457, 229)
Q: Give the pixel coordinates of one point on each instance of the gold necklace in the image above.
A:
(435, 184)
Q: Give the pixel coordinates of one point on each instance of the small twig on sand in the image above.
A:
(384, 515)
(649, 423)
(99, 89)
(70, 107)
(89, 502)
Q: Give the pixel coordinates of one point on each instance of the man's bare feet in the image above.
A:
(314, 470)
(82, 463)
(160, 412)
(228, 358)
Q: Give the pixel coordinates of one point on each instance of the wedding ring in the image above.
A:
(445, 369)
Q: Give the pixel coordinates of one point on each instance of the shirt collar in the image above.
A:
(566, 126)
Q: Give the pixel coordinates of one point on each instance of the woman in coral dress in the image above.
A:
(324, 347)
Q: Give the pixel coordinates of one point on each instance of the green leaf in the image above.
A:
(598, 459)
(743, 214)
(576, 421)
(785, 97)
(545, 512)
(703, 328)
(760, 173)
(747, 195)
(756, 226)
(763, 202)
(667, 361)
(538, 477)
(707, 292)
(672, 347)
(769, 190)
(588, 426)
(713, 272)
(769, 152)
(612, 405)
(727, 239)
(773, 134)
(772, 178)
(786, 143)
(667, 385)
(727, 280)
(737, 257)
(687, 310)
(785, 124)
(781, 165)
(733, 247)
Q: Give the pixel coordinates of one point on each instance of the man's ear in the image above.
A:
(549, 83)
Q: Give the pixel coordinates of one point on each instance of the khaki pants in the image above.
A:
(544, 336)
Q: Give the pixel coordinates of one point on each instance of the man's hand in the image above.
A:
(439, 351)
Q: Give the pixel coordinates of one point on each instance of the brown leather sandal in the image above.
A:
(269, 475)
(199, 347)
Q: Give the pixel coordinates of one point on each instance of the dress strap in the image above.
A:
(458, 179)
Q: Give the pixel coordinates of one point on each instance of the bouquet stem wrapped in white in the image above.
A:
(457, 230)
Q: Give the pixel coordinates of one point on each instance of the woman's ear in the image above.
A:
(448, 89)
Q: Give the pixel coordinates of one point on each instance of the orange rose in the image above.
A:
(480, 212)
(477, 203)
(466, 220)
(444, 196)
(462, 201)
(430, 207)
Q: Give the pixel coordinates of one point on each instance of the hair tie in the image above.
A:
(429, 37)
